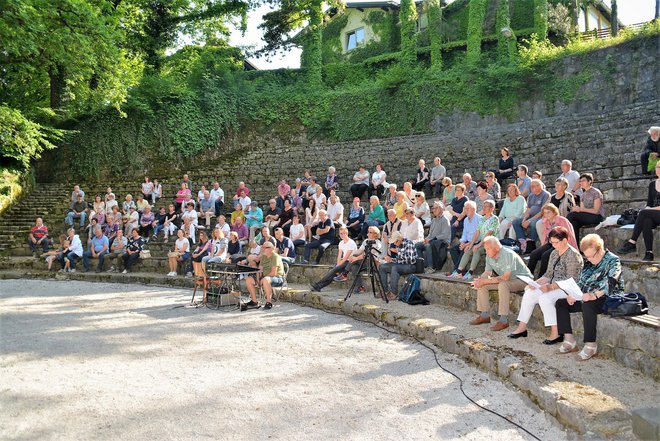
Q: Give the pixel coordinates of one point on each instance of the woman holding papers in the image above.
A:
(565, 263)
(601, 277)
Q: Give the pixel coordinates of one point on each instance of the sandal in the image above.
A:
(586, 353)
(567, 347)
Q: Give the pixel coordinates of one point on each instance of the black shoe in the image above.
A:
(315, 287)
(627, 248)
(648, 257)
(97, 270)
(251, 304)
(554, 341)
(518, 335)
(268, 305)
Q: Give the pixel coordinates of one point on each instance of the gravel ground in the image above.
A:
(105, 361)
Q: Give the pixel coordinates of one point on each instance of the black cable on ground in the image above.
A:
(435, 356)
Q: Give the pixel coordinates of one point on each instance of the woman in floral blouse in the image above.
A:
(601, 277)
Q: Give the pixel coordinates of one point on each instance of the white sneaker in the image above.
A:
(72, 270)
(189, 274)
(112, 269)
(429, 270)
(124, 272)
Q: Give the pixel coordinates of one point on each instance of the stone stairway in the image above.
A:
(48, 201)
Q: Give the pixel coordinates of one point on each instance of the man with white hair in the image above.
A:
(326, 232)
(572, 176)
(434, 246)
(651, 150)
(470, 227)
(508, 266)
(537, 198)
(470, 186)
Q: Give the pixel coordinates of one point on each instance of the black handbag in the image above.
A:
(628, 217)
(628, 304)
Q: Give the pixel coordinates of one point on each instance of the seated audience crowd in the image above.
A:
(430, 218)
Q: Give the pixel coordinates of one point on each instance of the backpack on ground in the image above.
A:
(411, 293)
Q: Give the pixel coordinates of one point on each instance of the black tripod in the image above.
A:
(369, 268)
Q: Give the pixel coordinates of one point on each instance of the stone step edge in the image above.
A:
(571, 403)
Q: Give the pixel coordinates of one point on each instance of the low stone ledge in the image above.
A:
(581, 408)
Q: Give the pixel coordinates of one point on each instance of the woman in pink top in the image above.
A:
(551, 219)
(181, 196)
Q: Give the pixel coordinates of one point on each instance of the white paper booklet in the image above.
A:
(529, 281)
(571, 288)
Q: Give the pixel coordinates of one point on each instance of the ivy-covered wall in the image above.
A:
(167, 127)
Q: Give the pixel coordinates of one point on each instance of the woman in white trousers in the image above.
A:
(565, 263)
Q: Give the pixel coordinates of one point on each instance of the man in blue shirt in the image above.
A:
(284, 246)
(470, 225)
(98, 247)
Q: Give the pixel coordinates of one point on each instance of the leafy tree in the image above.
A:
(290, 16)
(408, 19)
(156, 25)
(22, 139)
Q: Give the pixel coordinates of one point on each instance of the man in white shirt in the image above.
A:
(218, 196)
(244, 200)
(335, 210)
(572, 176)
(438, 173)
(411, 227)
(190, 213)
(346, 248)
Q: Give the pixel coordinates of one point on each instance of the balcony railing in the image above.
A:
(607, 32)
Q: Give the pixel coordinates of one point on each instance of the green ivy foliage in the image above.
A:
(475, 31)
(202, 97)
(408, 19)
(435, 32)
(541, 18)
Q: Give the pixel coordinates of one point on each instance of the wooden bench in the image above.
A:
(647, 320)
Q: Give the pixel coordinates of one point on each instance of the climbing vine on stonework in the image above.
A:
(434, 30)
(475, 30)
(541, 18)
(408, 19)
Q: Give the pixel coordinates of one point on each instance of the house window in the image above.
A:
(354, 39)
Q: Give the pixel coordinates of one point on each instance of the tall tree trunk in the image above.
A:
(56, 79)
(408, 19)
(435, 24)
(615, 19)
(657, 9)
(315, 57)
(476, 16)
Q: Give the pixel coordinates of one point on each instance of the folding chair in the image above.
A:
(200, 280)
(277, 290)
